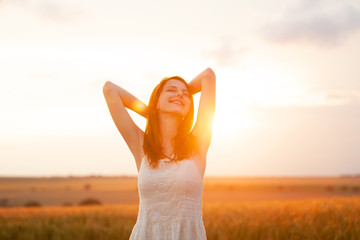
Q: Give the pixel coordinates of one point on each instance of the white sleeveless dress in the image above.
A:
(170, 205)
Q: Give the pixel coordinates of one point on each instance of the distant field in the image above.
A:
(123, 190)
(310, 219)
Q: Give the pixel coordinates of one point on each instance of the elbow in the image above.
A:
(107, 87)
(107, 84)
(210, 73)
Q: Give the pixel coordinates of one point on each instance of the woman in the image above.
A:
(170, 156)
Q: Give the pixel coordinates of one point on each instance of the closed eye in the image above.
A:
(174, 89)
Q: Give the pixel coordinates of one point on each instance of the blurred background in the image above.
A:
(288, 82)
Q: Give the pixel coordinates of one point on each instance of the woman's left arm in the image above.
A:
(205, 83)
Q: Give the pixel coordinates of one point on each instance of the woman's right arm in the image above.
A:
(117, 100)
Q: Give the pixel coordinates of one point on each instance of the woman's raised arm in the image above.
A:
(206, 83)
(117, 100)
(129, 100)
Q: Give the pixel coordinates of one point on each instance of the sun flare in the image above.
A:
(227, 124)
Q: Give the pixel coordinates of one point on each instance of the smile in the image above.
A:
(177, 102)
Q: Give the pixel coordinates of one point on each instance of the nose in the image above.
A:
(179, 93)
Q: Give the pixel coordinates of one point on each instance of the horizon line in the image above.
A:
(209, 176)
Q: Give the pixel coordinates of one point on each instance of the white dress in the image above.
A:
(170, 205)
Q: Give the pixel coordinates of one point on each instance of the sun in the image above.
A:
(228, 123)
(232, 114)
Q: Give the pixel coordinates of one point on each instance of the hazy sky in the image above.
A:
(288, 82)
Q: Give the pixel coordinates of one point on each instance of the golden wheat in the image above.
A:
(329, 218)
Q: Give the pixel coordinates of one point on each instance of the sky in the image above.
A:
(287, 75)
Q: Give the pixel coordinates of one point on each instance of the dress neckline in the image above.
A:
(186, 159)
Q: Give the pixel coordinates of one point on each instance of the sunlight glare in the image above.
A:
(227, 123)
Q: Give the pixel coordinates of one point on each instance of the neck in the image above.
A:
(168, 129)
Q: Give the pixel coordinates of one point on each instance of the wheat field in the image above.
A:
(315, 219)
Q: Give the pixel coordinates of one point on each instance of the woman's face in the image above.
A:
(174, 98)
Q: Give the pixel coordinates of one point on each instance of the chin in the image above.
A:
(179, 111)
(175, 110)
(179, 114)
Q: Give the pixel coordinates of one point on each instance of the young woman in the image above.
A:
(170, 155)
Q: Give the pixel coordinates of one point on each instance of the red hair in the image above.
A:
(184, 141)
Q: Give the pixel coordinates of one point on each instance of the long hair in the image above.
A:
(184, 141)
